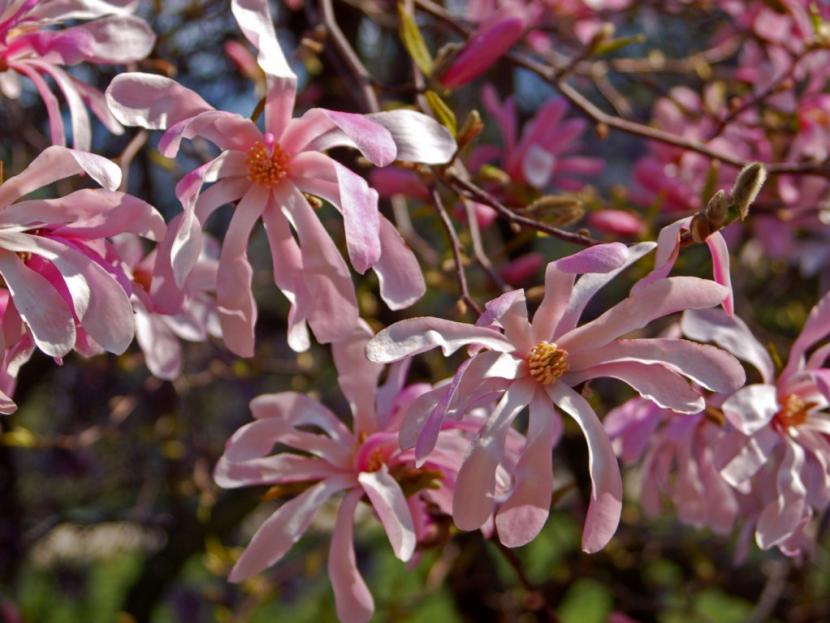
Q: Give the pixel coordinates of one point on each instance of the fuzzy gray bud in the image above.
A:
(747, 186)
(717, 209)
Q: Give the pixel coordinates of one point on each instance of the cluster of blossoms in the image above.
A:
(91, 270)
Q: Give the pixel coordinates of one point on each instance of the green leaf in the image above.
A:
(617, 44)
(413, 41)
(443, 113)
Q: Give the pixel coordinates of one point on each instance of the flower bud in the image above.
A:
(717, 209)
(556, 210)
(747, 186)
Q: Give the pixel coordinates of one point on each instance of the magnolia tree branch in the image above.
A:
(455, 245)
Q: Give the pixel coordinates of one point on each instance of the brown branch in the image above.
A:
(349, 56)
(468, 189)
(455, 245)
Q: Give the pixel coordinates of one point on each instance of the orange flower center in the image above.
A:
(266, 168)
(793, 412)
(547, 362)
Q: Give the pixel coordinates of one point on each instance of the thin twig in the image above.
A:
(349, 56)
(476, 193)
(455, 244)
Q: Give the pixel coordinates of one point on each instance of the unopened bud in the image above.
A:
(603, 34)
(747, 186)
(717, 209)
(445, 57)
(471, 128)
(492, 173)
(701, 228)
(556, 210)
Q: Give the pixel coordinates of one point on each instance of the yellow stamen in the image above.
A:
(266, 168)
(547, 362)
(794, 411)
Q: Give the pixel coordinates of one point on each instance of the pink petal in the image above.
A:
(523, 515)
(418, 138)
(601, 258)
(284, 528)
(731, 334)
(492, 40)
(162, 351)
(650, 302)
(606, 484)
(235, 301)
(388, 500)
(781, 518)
(720, 267)
(301, 410)
(751, 408)
(476, 481)
(399, 274)
(710, 367)
(417, 335)
(358, 377)
(81, 132)
(40, 306)
(56, 131)
(152, 101)
(116, 40)
(350, 193)
(56, 163)
(352, 598)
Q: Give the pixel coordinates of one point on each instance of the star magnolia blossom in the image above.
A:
(267, 173)
(538, 364)
(30, 47)
(157, 334)
(364, 462)
(52, 253)
(781, 425)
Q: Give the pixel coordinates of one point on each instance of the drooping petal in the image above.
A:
(235, 301)
(782, 517)
(720, 267)
(417, 335)
(56, 163)
(40, 306)
(606, 484)
(300, 410)
(523, 515)
(388, 500)
(399, 274)
(476, 481)
(284, 528)
(710, 367)
(352, 598)
(327, 178)
(152, 101)
(731, 334)
(650, 302)
(358, 377)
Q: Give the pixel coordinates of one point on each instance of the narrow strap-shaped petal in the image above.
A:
(358, 377)
(558, 293)
(510, 312)
(781, 518)
(653, 301)
(656, 382)
(710, 367)
(328, 299)
(588, 285)
(523, 515)
(235, 301)
(816, 328)
(300, 410)
(327, 178)
(606, 484)
(276, 468)
(53, 111)
(81, 131)
(152, 101)
(476, 482)
(352, 598)
(284, 528)
(40, 306)
(417, 137)
(56, 163)
(418, 335)
(720, 268)
(732, 334)
(255, 22)
(388, 500)
(161, 348)
(399, 274)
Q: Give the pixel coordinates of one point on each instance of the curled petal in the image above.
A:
(351, 595)
(152, 101)
(388, 500)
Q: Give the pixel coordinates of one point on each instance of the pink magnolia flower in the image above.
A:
(619, 222)
(267, 174)
(53, 253)
(30, 47)
(781, 425)
(159, 334)
(545, 154)
(539, 364)
(364, 462)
